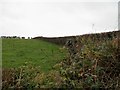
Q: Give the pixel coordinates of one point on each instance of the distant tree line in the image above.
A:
(14, 37)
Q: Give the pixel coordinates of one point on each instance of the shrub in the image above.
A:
(30, 77)
(94, 65)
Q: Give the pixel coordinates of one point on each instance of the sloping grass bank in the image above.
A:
(17, 52)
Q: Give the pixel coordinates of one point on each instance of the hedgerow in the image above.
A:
(94, 64)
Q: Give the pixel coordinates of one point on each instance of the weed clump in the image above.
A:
(29, 77)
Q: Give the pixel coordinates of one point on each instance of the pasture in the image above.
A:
(17, 52)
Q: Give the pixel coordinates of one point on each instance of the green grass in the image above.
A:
(15, 52)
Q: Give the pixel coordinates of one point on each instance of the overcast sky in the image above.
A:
(56, 18)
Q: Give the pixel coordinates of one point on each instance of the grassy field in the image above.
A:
(17, 52)
(92, 62)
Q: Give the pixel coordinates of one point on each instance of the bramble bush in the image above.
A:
(94, 64)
